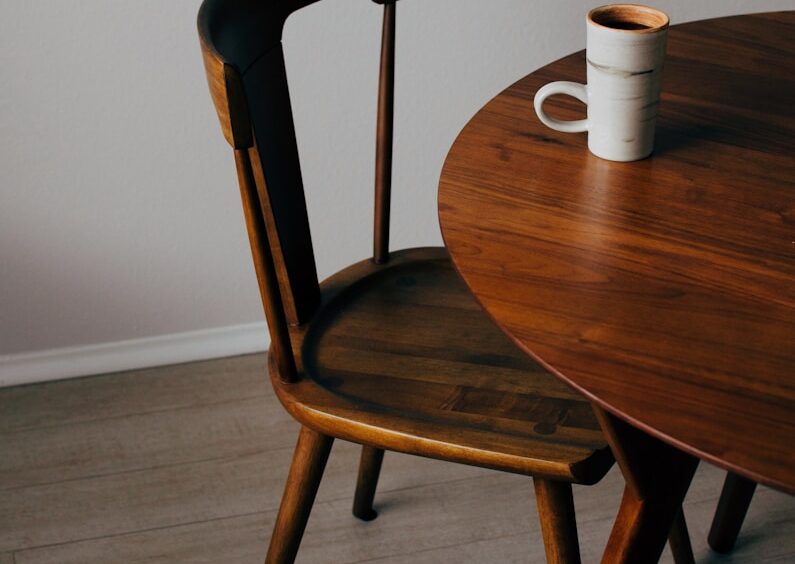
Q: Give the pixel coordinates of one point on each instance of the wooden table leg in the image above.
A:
(679, 540)
(729, 516)
(657, 477)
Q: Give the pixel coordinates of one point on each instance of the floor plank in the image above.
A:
(187, 464)
(463, 521)
(132, 442)
(183, 493)
(237, 540)
(412, 513)
(136, 391)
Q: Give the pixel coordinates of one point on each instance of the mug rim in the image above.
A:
(638, 7)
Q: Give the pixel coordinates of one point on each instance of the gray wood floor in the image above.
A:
(186, 464)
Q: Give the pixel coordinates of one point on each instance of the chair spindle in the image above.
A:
(266, 272)
(383, 150)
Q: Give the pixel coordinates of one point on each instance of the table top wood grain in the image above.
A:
(663, 289)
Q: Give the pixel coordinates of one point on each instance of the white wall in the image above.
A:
(119, 212)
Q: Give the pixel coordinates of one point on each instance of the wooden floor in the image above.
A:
(187, 463)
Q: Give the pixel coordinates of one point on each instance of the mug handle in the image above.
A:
(575, 89)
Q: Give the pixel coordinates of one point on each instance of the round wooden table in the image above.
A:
(662, 289)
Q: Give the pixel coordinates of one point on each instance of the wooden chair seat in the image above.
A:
(454, 387)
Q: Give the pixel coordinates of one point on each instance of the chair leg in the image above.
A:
(558, 525)
(369, 470)
(732, 507)
(679, 540)
(309, 461)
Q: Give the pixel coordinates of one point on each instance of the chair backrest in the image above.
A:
(242, 51)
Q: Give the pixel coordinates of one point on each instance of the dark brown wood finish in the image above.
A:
(662, 289)
(657, 478)
(735, 498)
(558, 523)
(309, 461)
(390, 354)
(241, 47)
(281, 348)
(679, 539)
(369, 470)
(383, 146)
(400, 357)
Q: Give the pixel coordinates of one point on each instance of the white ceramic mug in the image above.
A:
(625, 53)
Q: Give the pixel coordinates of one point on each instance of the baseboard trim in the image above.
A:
(176, 348)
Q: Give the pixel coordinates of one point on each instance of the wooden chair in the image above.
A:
(392, 352)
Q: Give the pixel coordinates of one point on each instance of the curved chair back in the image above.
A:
(242, 51)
